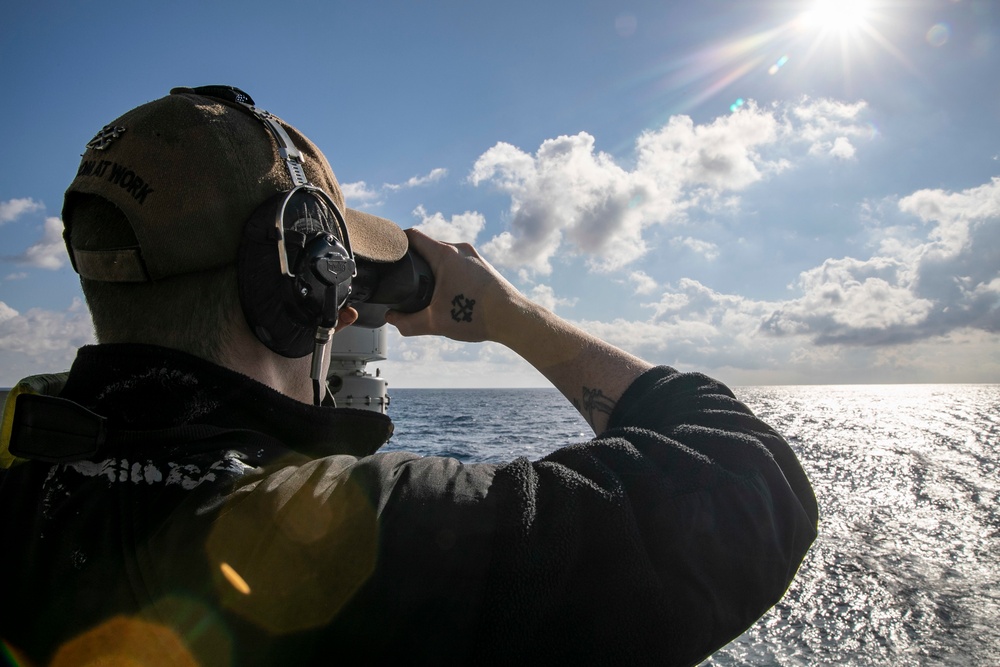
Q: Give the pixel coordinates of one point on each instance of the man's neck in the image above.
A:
(244, 354)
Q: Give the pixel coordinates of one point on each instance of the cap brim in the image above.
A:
(374, 238)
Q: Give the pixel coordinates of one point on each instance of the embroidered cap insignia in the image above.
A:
(104, 138)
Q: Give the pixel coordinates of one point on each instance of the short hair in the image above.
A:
(193, 312)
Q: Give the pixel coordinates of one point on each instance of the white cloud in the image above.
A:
(47, 253)
(722, 155)
(919, 288)
(50, 251)
(546, 297)
(427, 361)
(644, 284)
(853, 301)
(41, 340)
(669, 302)
(567, 191)
(706, 249)
(6, 313)
(12, 209)
(570, 197)
(825, 122)
(842, 148)
(929, 311)
(951, 208)
(359, 194)
(924, 306)
(433, 176)
(464, 227)
(851, 321)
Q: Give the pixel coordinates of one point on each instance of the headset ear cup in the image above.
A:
(271, 303)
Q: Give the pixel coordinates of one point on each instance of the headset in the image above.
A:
(296, 268)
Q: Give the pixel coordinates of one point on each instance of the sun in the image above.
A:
(842, 40)
(837, 16)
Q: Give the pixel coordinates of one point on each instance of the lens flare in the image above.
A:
(125, 641)
(234, 578)
(835, 39)
(938, 34)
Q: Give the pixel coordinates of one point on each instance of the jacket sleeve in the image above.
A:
(656, 543)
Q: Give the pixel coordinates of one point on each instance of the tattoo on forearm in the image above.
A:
(595, 401)
(461, 308)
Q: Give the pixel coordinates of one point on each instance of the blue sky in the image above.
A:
(783, 191)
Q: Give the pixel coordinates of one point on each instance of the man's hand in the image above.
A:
(472, 302)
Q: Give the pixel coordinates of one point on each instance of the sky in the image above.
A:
(771, 192)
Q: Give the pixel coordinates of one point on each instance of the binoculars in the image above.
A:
(406, 285)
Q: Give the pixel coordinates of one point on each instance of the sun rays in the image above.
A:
(793, 43)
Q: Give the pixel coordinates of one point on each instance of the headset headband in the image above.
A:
(292, 158)
(286, 147)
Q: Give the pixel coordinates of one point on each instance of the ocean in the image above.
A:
(906, 568)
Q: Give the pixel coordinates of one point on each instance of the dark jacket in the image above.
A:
(222, 519)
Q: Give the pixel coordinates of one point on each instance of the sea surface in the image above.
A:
(906, 568)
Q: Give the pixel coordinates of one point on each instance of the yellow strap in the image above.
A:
(49, 384)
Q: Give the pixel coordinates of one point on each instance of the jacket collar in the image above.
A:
(145, 387)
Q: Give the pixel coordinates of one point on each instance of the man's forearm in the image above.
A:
(589, 372)
(473, 302)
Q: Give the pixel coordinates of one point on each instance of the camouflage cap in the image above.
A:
(187, 171)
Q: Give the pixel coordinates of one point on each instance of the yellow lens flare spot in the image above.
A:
(234, 578)
(126, 642)
(307, 559)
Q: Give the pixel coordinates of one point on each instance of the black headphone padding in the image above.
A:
(284, 312)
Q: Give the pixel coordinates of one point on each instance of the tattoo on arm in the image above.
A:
(595, 401)
(461, 308)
